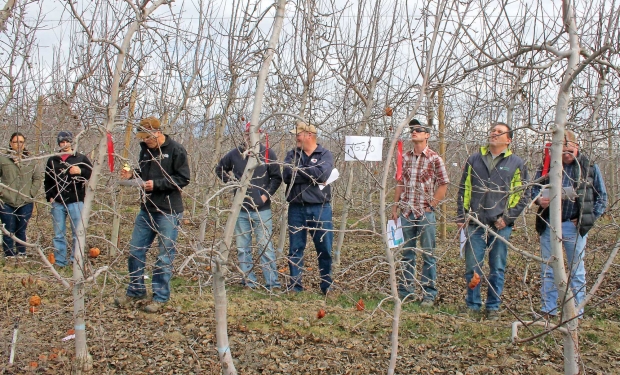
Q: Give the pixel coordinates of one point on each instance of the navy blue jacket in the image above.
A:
(266, 178)
(303, 174)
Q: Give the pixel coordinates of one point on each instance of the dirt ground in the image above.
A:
(279, 333)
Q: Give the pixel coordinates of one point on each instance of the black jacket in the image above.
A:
(62, 186)
(167, 166)
(266, 178)
(303, 180)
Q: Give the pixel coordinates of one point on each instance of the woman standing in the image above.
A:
(20, 182)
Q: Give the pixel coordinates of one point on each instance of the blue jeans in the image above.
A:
(60, 211)
(317, 217)
(259, 223)
(478, 242)
(574, 248)
(148, 225)
(15, 221)
(422, 227)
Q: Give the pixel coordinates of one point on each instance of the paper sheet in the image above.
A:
(463, 241)
(395, 233)
(332, 177)
(363, 148)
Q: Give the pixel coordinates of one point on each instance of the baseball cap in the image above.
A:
(147, 126)
(301, 127)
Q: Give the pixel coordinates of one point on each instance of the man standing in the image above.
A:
(489, 190)
(163, 171)
(306, 169)
(255, 215)
(423, 185)
(65, 186)
(584, 199)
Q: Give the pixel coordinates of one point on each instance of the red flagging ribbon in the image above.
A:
(110, 152)
(547, 160)
(399, 161)
(267, 148)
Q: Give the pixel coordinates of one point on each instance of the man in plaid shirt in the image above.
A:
(422, 187)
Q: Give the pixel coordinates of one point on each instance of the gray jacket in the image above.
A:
(21, 180)
(492, 193)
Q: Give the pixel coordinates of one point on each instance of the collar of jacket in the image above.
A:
(166, 143)
(319, 149)
(485, 149)
(242, 149)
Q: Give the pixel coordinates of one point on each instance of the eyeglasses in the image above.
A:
(418, 130)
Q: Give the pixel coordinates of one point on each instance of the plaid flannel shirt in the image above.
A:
(421, 176)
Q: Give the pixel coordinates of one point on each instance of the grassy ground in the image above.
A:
(280, 333)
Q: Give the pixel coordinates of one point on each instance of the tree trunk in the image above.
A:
(369, 101)
(441, 127)
(219, 287)
(571, 339)
(83, 358)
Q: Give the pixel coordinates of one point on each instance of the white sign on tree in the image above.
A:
(363, 148)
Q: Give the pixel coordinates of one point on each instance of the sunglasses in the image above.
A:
(418, 130)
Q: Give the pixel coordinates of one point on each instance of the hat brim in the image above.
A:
(142, 135)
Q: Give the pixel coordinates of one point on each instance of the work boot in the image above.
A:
(127, 301)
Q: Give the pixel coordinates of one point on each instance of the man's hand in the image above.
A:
(500, 224)
(126, 174)
(543, 202)
(264, 198)
(148, 185)
(395, 212)
(460, 225)
(75, 170)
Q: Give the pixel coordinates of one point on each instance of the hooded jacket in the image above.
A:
(168, 168)
(491, 194)
(63, 187)
(26, 177)
(266, 178)
(303, 174)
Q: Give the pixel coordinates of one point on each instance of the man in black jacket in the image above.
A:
(162, 172)
(255, 215)
(306, 169)
(65, 182)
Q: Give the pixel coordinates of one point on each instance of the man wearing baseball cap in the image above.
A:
(306, 168)
(419, 191)
(164, 170)
(65, 181)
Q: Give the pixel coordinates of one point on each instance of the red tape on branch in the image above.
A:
(110, 152)
(547, 160)
(399, 161)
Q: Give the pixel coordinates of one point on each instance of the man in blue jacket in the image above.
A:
(584, 200)
(306, 169)
(164, 172)
(255, 215)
